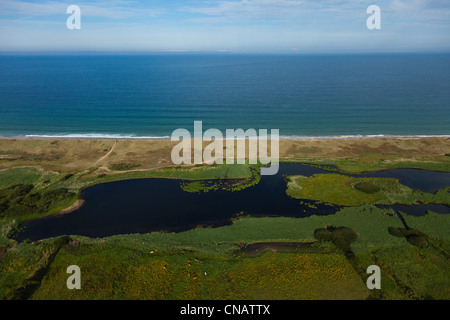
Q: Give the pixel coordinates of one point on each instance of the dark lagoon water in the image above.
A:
(419, 210)
(145, 205)
(426, 181)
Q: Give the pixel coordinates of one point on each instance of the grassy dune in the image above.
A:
(358, 155)
(94, 157)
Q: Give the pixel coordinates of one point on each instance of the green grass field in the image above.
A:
(124, 274)
(26, 175)
(164, 265)
(211, 263)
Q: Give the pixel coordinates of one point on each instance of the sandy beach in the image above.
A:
(101, 156)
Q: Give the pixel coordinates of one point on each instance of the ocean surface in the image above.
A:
(151, 95)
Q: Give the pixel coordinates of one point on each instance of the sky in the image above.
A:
(297, 26)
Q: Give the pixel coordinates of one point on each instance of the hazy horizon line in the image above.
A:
(219, 52)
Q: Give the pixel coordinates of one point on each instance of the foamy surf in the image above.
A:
(98, 136)
(93, 136)
(373, 136)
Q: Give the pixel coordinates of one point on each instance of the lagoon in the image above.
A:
(147, 205)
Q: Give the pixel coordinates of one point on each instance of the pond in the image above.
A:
(146, 205)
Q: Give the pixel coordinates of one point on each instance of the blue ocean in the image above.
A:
(100, 95)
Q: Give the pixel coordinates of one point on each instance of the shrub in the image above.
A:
(341, 237)
(367, 187)
(17, 201)
(395, 232)
(124, 166)
(414, 237)
(67, 176)
(322, 235)
(416, 240)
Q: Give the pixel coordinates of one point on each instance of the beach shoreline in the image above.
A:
(167, 138)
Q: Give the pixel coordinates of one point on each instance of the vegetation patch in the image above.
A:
(308, 204)
(414, 237)
(15, 176)
(124, 166)
(67, 176)
(411, 272)
(289, 276)
(200, 186)
(20, 202)
(222, 184)
(367, 187)
(341, 237)
(352, 191)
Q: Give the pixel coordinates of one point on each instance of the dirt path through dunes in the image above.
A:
(106, 155)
